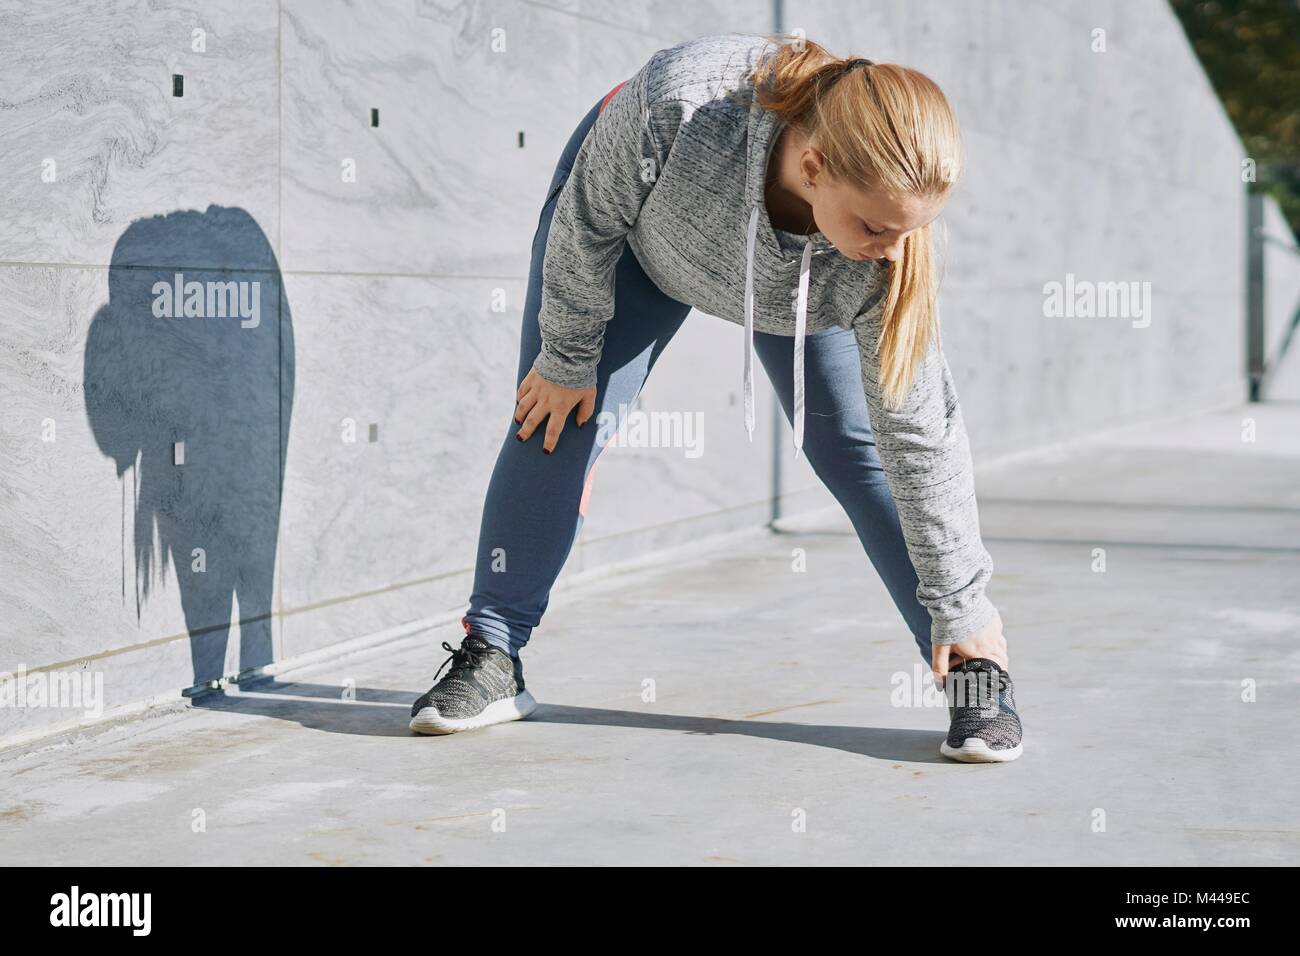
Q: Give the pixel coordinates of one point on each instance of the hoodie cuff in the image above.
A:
(956, 629)
(559, 370)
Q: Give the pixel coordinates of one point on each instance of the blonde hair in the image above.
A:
(885, 126)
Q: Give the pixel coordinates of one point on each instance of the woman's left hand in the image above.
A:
(988, 643)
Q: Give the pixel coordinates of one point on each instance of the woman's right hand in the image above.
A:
(989, 644)
(538, 400)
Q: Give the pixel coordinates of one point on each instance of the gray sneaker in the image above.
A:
(485, 685)
(985, 727)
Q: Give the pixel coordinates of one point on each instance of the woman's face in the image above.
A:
(868, 224)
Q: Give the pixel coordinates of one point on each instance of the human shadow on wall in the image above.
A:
(212, 368)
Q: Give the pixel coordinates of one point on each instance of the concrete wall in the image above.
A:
(390, 304)
(1112, 166)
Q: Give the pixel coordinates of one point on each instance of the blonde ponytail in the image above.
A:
(886, 126)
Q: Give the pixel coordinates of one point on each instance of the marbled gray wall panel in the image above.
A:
(616, 37)
(671, 21)
(442, 185)
(430, 366)
(87, 98)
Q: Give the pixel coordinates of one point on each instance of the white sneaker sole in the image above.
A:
(429, 721)
(976, 750)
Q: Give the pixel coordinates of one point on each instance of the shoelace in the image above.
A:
(462, 658)
(986, 695)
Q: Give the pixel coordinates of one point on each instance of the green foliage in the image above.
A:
(1251, 52)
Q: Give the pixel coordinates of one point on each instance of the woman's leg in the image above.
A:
(842, 451)
(535, 502)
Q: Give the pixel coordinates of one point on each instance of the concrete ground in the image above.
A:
(773, 734)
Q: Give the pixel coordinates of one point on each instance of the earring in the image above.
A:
(807, 184)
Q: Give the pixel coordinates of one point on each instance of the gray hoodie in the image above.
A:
(674, 167)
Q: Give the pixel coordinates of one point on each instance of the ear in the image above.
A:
(812, 162)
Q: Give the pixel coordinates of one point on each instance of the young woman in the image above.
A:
(772, 185)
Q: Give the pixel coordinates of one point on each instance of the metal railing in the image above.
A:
(1258, 366)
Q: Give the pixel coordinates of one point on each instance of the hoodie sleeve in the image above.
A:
(611, 177)
(926, 458)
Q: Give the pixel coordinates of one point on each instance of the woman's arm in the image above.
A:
(612, 175)
(926, 457)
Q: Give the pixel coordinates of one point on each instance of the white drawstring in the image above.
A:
(800, 326)
(749, 322)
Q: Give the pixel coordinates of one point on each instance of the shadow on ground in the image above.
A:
(376, 712)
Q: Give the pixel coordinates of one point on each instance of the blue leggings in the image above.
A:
(536, 503)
